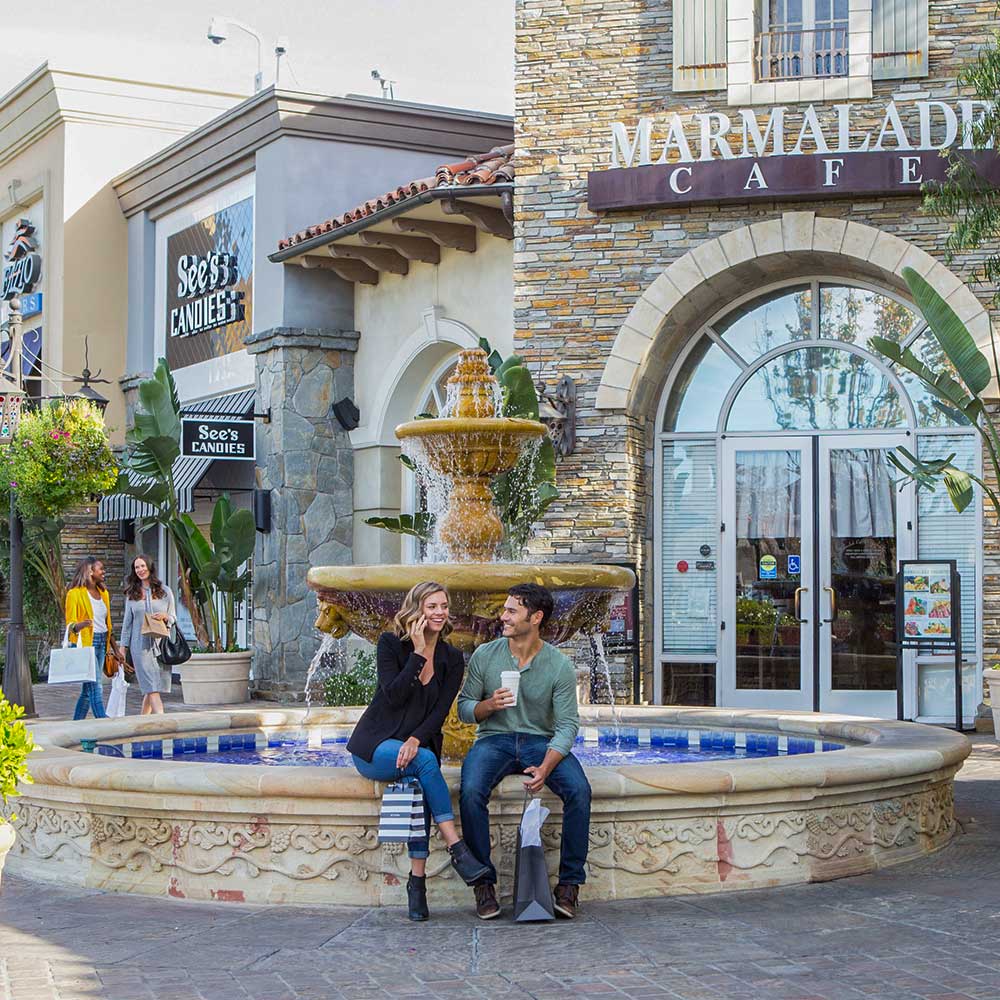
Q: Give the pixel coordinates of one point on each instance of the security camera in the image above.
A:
(376, 75)
(217, 31)
(281, 46)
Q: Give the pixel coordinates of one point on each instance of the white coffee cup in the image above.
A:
(510, 679)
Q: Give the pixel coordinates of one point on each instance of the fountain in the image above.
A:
(218, 805)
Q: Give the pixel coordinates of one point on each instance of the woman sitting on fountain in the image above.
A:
(419, 675)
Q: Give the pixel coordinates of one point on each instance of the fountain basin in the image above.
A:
(364, 599)
(297, 835)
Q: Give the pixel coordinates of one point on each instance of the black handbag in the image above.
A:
(174, 648)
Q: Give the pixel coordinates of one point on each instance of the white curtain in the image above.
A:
(863, 497)
(768, 494)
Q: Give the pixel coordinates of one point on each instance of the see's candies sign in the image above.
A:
(203, 437)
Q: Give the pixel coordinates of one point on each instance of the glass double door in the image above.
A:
(813, 529)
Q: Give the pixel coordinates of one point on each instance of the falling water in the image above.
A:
(601, 675)
(331, 651)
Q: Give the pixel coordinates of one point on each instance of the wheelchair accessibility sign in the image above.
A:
(794, 565)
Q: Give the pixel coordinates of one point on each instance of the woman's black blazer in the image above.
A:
(400, 708)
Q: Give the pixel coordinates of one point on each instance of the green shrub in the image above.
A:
(354, 686)
(15, 745)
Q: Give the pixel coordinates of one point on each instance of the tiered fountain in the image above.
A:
(684, 799)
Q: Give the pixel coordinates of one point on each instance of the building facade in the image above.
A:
(715, 204)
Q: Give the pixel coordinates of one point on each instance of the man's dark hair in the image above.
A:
(534, 598)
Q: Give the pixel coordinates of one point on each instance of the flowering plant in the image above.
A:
(15, 745)
(59, 458)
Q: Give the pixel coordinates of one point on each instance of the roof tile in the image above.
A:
(493, 167)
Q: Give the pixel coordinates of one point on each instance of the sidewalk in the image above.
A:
(916, 932)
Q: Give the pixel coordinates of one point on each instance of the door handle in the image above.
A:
(799, 591)
(833, 604)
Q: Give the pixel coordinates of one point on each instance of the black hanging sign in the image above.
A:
(217, 438)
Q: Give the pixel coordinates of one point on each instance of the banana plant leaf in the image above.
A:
(493, 357)
(951, 333)
(419, 525)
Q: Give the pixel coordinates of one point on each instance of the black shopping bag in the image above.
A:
(532, 894)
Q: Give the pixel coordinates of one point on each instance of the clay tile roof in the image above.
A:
(494, 167)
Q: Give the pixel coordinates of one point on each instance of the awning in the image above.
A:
(188, 472)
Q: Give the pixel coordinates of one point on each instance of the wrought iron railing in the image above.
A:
(798, 53)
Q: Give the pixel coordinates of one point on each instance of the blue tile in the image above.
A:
(201, 744)
(225, 742)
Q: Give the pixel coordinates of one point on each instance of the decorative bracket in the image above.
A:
(557, 410)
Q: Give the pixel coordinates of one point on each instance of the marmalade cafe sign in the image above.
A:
(717, 157)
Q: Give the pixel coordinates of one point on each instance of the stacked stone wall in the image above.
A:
(581, 65)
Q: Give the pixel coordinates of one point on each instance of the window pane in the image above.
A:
(689, 684)
(929, 413)
(690, 521)
(943, 533)
(700, 389)
(768, 322)
(855, 315)
(816, 388)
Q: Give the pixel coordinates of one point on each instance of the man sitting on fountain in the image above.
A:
(529, 730)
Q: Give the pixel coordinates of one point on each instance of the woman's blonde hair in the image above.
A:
(412, 608)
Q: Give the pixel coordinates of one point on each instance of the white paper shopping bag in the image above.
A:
(72, 664)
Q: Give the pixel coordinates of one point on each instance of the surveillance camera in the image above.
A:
(217, 31)
(281, 46)
(376, 75)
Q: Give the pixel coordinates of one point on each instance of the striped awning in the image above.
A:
(188, 472)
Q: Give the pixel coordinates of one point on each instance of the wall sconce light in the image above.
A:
(262, 510)
(347, 414)
(557, 410)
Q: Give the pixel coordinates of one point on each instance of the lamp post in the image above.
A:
(16, 673)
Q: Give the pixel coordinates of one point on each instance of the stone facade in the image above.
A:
(305, 460)
(578, 275)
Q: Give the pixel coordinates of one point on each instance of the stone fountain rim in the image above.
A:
(889, 751)
(467, 425)
(461, 577)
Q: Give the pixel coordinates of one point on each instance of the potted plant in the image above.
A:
(15, 745)
(214, 576)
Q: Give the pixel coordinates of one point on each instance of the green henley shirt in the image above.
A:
(546, 696)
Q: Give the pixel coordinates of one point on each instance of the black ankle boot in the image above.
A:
(416, 894)
(470, 869)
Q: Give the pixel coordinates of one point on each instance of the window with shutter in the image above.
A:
(899, 39)
(699, 45)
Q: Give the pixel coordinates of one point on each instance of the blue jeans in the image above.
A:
(426, 769)
(91, 696)
(489, 761)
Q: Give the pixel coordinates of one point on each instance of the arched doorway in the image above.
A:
(779, 516)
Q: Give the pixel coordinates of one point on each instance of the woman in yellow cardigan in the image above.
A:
(88, 616)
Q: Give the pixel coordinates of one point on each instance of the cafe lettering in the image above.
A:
(742, 156)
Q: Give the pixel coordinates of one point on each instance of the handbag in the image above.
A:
(153, 626)
(110, 664)
(532, 893)
(72, 664)
(174, 648)
(401, 817)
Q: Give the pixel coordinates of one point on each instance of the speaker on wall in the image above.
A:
(262, 510)
(126, 532)
(347, 413)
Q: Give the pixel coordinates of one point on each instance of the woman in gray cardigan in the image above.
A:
(145, 594)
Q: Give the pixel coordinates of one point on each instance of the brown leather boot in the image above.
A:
(487, 906)
(566, 900)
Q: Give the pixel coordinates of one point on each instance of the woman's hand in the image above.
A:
(416, 632)
(407, 752)
(161, 616)
(77, 627)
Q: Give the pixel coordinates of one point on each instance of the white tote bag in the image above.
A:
(72, 664)
(116, 700)
(401, 817)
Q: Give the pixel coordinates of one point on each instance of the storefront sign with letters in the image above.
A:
(218, 438)
(23, 269)
(738, 157)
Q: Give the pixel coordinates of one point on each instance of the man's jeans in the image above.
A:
(490, 760)
(91, 696)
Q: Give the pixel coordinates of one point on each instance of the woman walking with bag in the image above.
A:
(149, 613)
(419, 676)
(88, 618)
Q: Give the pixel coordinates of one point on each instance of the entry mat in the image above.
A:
(607, 746)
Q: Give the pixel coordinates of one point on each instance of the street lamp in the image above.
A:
(88, 381)
(16, 672)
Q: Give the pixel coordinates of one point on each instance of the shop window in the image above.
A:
(700, 388)
(691, 684)
(768, 322)
(690, 547)
(855, 315)
(802, 39)
(817, 388)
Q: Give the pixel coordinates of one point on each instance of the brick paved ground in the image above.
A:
(926, 930)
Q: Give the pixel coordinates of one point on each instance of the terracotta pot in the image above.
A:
(6, 843)
(216, 678)
(992, 678)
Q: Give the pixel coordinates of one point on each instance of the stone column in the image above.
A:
(304, 458)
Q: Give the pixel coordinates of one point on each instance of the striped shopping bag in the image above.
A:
(401, 817)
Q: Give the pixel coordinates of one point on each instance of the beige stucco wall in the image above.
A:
(410, 326)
